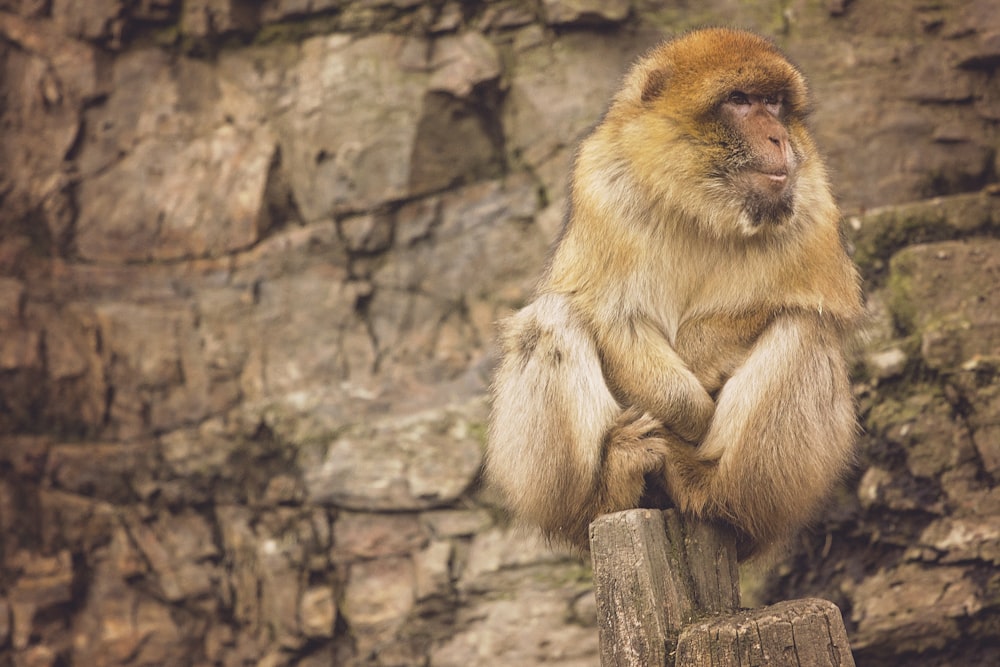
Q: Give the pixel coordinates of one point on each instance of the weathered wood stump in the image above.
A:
(668, 594)
(793, 633)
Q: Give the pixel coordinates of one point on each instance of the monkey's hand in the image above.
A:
(635, 451)
(643, 370)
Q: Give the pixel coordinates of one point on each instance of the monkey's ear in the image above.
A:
(656, 83)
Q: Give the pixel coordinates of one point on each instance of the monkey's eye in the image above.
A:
(773, 104)
(738, 97)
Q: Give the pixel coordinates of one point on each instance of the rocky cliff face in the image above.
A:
(251, 254)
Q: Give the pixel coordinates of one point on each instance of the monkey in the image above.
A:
(687, 343)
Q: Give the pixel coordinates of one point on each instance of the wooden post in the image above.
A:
(654, 573)
(667, 586)
(793, 633)
(639, 602)
(706, 560)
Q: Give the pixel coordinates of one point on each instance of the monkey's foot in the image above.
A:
(635, 452)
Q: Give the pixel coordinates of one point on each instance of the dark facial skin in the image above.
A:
(763, 161)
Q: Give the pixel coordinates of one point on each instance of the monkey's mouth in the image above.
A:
(768, 196)
(771, 181)
(763, 181)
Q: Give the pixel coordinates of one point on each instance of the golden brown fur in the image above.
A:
(687, 337)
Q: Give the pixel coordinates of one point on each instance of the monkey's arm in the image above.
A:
(783, 433)
(646, 372)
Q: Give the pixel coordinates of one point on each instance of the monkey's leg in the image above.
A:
(559, 452)
(782, 434)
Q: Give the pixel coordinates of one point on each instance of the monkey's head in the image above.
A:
(713, 124)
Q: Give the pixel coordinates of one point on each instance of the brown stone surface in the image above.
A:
(251, 255)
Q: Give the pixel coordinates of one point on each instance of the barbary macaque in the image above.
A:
(686, 344)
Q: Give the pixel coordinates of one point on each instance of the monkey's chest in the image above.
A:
(714, 346)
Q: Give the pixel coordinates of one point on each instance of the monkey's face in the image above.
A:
(713, 126)
(757, 156)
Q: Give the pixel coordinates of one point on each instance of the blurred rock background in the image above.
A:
(251, 254)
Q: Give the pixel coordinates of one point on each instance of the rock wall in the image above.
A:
(251, 254)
